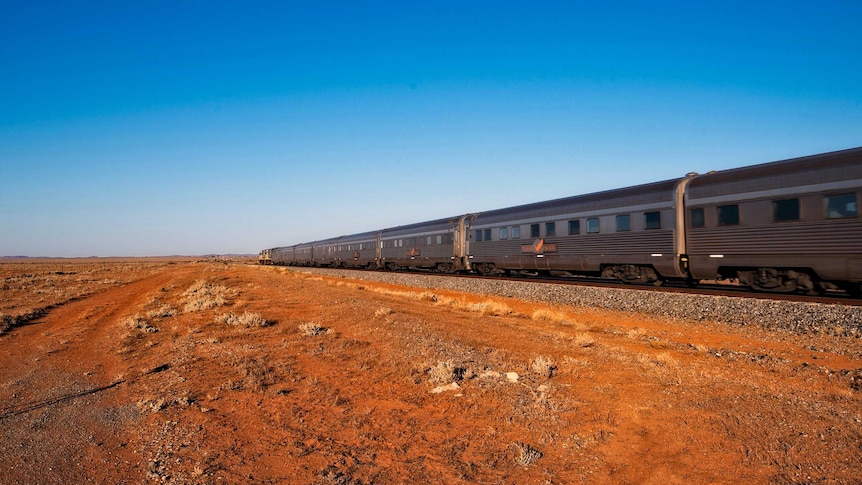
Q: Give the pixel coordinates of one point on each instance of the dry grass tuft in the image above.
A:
(525, 455)
(203, 295)
(543, 314)
(163, 311)
(310, 329)
(256, 374)
(246, 319)
(383, 312)
(6, 322)
(427, 296)
(139, 322)
(493, 308)
(584, 340)
(543, 366)
(664, 365)
(442, 373)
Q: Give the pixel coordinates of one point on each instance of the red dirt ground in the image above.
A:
(338, 387)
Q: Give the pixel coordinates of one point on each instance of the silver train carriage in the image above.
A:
(785, 226)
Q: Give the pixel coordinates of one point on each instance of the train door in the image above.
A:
(460, 241)
(378, 249)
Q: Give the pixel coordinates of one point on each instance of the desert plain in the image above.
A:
(183, 371)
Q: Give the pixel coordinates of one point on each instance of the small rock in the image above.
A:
(512, 376)
(449, 387)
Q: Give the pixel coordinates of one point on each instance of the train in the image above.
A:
(785, 226)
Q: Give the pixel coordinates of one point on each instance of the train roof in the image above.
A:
(809, 170)
(639, 194)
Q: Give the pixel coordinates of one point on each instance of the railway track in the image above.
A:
(716, 289)
(729, 290)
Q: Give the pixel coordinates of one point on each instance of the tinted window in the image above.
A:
(487, 234)
(624, 223)
(478, 234)
(728, 215)
(504, 233)
(697, 219)
(785, 210)
(534, 230)
(574, 227)
(439, 239)
(516, 232)
(448, 239)
(550, 229)
(843, 205)
(592, 225)
(652, 220)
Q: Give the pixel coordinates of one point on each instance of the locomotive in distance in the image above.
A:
(786, 226)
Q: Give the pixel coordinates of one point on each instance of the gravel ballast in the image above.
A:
(772, 314)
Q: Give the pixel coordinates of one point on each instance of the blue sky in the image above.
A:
(156, 128)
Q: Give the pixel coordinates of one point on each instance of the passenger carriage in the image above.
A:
(632, 234)
(781, 226)
(426, 245)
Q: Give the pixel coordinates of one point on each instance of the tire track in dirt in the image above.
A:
(60, 385)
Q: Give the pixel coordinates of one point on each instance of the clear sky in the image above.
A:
(184, 127)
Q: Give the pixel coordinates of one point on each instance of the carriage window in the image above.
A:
(550, 229)
(534, 230)
(652, 220)
(697, 218)
(478, 234)
(440, 239)
(574, 227)
(592, 225)
(448, 239)
(842, 205)
(504, 233)
(728, 215)
(516, 232)
(487, 234)
(624, 223)
(429, 241)
(785, 210)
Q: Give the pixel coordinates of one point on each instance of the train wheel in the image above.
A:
(633, 274)
(486, 269)
(778, 281)
(446, 268)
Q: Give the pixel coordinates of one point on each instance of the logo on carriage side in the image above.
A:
(539, 247)
(412, 252)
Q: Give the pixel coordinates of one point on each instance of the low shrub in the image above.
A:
(203, 295)
(246, 319)
(310, 329)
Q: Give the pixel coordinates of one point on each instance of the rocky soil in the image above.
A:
(201, 372)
